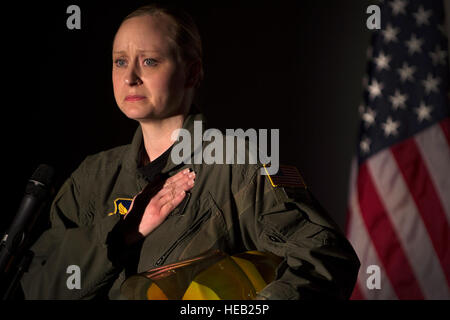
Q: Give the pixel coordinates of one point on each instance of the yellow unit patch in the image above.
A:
(121, 206)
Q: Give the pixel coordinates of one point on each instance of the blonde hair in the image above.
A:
(186, 35)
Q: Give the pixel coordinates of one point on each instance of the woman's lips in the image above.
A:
(134, 98)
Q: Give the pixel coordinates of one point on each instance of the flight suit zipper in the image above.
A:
(190, 231)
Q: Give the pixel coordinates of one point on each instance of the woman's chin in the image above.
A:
(142, 113)
(138, 113)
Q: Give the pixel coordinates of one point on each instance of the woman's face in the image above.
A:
(148, 74)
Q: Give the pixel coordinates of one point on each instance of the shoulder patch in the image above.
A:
(121, 206)
(287, 176)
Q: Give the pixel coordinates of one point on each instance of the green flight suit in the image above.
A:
(232, 207)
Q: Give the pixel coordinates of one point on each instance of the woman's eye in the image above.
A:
(150, 62)
(120, 62)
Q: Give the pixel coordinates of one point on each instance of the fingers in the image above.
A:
(172, 194)
(182, 181)
(170, 202)
(186, 182)
(177, 177)
(169, 196)
(165, 200)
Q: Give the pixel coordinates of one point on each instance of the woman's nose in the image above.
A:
(132, 79)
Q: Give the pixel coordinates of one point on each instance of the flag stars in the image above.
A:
(422, 16)
(406, 72)
(423, 112)
(382, 61)
(414, 44)
(398, 100)
(390, 127)
(364, 144)
(431, 84)
(390, 34)
(398, 6)
(375, 89)
(438, 56)
(369, 117)
(403, 77)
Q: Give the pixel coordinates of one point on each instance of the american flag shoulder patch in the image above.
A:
(287, 176)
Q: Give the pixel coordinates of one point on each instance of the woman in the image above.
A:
(131, 208)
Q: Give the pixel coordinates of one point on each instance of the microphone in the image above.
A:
(36, 192)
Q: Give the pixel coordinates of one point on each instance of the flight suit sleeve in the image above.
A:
(74, 250)
(318, 261)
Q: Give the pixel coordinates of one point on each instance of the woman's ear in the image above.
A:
(194, 74)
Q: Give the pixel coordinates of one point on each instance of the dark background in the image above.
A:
(292, 65)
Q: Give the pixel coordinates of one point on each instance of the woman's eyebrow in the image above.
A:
(139, 51)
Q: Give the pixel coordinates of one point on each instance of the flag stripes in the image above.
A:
(392, 218)
(438, 163)
(384, 238)
(421, 188)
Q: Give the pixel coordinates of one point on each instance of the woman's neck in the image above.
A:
(157, 134)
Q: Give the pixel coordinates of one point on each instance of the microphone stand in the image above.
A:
(22, 267)
(15, 256)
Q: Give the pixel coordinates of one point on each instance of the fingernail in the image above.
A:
(182, 193)
(191, 182)
(186, 171)
(192, 174)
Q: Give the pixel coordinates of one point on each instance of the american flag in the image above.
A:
(399, 197)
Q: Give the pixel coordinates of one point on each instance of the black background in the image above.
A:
(292, 65)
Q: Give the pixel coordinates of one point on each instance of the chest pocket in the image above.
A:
(206, 232)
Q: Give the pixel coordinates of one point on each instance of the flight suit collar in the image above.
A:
(188, 125)
(132, 157)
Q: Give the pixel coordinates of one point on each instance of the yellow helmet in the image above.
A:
(213, 275)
